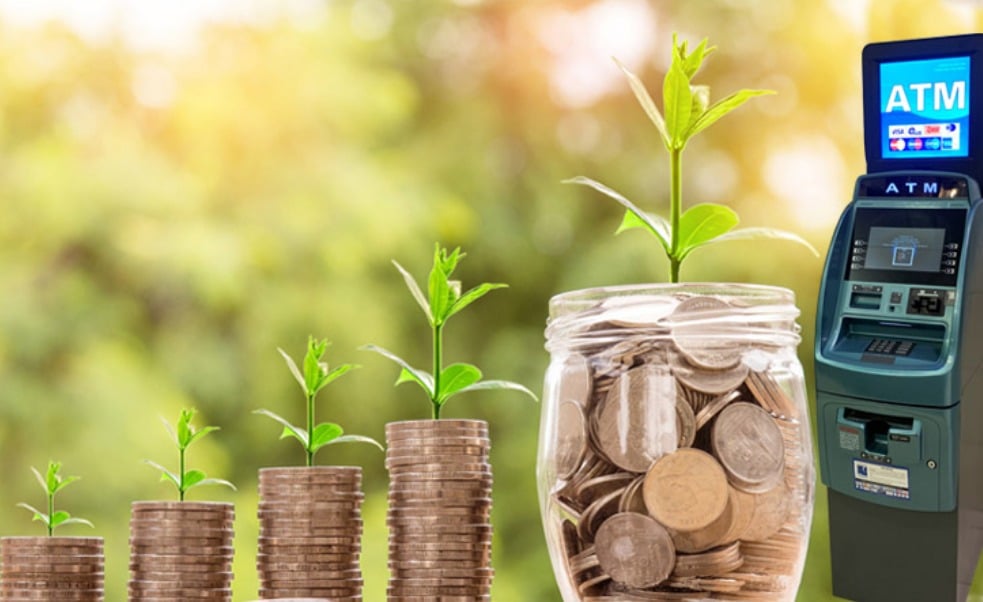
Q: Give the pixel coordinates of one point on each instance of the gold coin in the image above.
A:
(771, 508)
(635, 550)
(571, 438)
(686, 490)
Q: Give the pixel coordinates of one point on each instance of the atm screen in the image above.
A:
(925, 108)
(905, 245)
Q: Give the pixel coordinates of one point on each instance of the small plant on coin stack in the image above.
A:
(184, 434)
(52, 483)
(314, 377)
(45, 568)
(444, 300)
(675, 456)
(439, 475)
(310, 516)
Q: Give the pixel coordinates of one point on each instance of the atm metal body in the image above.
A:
(899, 341)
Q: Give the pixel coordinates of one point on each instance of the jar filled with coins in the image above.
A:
(675, 458)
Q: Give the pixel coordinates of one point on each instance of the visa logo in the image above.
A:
(943, 96)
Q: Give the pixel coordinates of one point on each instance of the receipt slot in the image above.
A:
(899, 340)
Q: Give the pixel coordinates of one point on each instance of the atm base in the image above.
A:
(882, 554)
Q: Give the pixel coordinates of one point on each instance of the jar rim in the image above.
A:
(585, 298)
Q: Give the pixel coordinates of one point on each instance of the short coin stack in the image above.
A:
(52, 568)
(440, 532)
(310, 533)
(181, 551)
(681, 461)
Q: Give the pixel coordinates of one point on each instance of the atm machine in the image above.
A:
(899, 333)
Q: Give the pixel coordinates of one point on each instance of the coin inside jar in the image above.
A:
(636, 423)
(686, 490)
(696, 333)
(750, 446)
(575, 379)
(635, 550)
(571, 439)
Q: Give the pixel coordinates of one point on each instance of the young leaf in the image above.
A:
(38, 515)
(416, 292)
(184, 430)
(498, 385)
(456, 377)
(471, 296)
(409, 373)
(166, 475)
(314, 369)
(294, 369)
(644, 99)
(653, 223)
(332, 376)
(765, 233)
(356, 439)
(721, 108)
(702, 223)
(41, 480)
(439, 290)
(59, 517)
(701, 100)
(677, 103)
(691, 63)
(192, 478)
(196, 435)
(213, 482)
(289, 430)
(76, 521)
(325, 433)
(51, 480)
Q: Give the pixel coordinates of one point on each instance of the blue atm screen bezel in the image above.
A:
(953, 221)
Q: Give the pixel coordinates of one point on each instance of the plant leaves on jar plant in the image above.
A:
(687, 111)
(184, 434)
(314, 377)
(52, 483)
(443, 300)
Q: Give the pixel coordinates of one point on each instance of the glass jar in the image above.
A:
(675, 457)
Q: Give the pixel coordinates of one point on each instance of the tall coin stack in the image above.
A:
(440, 532)
(52, 568)
(310, 533)
(181, 551)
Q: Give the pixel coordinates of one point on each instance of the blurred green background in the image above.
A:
(184, 187)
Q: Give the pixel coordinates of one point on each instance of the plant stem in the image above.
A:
(675, 209)
(180, 489)
(310, 429)
(438, 361)
(51, 513)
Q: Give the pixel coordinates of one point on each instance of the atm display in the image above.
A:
(925, 108)
(915, 249)
(914, 246)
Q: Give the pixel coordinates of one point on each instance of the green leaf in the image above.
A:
(38, 515)
(409, 373)
(356, 439)
(192, 478)
(701, 100)
(51, 478)
(294, 369)
(289, 430)
(64, 482)
(59, 517)
(473, 295)
(41, 479)
(721, 108)
(416, 292)
(677, 104)
(766, 233)
(332, 376)
(325, 433)
(691, 63)
(648, 105)
(184, 428)
(702, 223)
(213, 482)
(77, 521)
(498, 385)
(166, 475)
(439, 290)
(314, 369)
(456, 377)
(654, 224)
(196, 435)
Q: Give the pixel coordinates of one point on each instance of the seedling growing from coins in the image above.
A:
(443, 300)
(687, 111)
(184, 434)
(314, 377)
(52, 483)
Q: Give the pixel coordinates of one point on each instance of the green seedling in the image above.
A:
(687, 112)
(314, 377)
(184, 434)
(444, 299)
(52, 483)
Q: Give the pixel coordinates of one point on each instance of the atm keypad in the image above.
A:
(890, 347)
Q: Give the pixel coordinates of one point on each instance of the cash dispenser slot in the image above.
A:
(893, 439)
(888, 342)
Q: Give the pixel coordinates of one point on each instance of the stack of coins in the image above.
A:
(439, 510)
(310, 533)
(52, 568)
(681, 459)
(181, 551)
